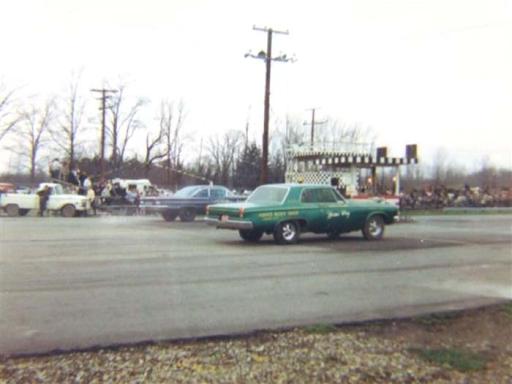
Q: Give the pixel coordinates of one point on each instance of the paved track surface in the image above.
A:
(98, 281)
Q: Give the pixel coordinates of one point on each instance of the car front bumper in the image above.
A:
(229, 224)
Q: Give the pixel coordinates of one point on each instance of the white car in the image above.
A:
(19, 204)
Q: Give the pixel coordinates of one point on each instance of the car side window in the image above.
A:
(218, 193)
(308, 196)
(318, 195)
(338, 196)
(325, 195)
(202, 193)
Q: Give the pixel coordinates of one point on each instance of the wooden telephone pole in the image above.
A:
(104, 96)
(267, 57)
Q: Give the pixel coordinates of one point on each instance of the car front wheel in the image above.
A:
(250, 235)
(68, 210)
(373, 228)
(187, 214)
(287, 232)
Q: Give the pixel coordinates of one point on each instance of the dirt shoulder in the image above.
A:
(473, 346)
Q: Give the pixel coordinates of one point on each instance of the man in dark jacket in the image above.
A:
(44, 196)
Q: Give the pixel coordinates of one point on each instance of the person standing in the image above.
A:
(44, 196)
(91, 196)
(87, 183)
(74, 178)
(55, 169)
(64, 170)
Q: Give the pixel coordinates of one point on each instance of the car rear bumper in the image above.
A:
(229, 224)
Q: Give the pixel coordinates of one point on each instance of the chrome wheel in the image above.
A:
(287, 232)
(374, 228)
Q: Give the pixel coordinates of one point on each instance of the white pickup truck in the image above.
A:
(19, 204)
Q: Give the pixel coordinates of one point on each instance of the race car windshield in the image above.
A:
(268, 195)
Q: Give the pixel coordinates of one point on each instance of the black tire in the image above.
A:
(333, 235)
(12, 210)
(23, 212)
(169, 215)
(287, 232)
(373, 228)
(187, 214)
(250, 235)
(68, 210)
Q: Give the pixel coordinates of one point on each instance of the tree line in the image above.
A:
(36, 130)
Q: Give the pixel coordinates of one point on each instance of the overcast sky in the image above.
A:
(433, 72)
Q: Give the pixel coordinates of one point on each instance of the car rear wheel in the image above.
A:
(187, 214)
(169, 215)
(287, 232)
(250, 235)
(12, 210)
(68, 210)
(373, 228)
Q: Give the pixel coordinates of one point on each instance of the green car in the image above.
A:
(287, 210)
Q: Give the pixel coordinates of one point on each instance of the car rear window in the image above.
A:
(268, 194)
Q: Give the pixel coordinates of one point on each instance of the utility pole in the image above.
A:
(267, 57)
(104, 96)
(313, 122)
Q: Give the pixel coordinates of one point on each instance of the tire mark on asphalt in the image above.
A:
(151, 281)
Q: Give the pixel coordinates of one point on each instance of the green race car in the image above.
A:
(287, 210)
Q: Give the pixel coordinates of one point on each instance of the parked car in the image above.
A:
(19, 204)
(287, 210)
(141, 185)
(187, 202)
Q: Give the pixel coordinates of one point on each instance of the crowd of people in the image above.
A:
(100, 193)
(441, 197)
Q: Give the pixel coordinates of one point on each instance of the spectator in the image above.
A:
(74, 177)
(64, 171)
(82, 177)
(87, 183)
(91, 196)
(106, 193)
(55, 169)
(44, 196)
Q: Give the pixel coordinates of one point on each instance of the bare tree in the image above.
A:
(222, 150)
(66, 134)
(34, 125)
(439, 166)
(154, 150)
(171, 122)
(124, 123)
(335, 135)
(8, 117)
